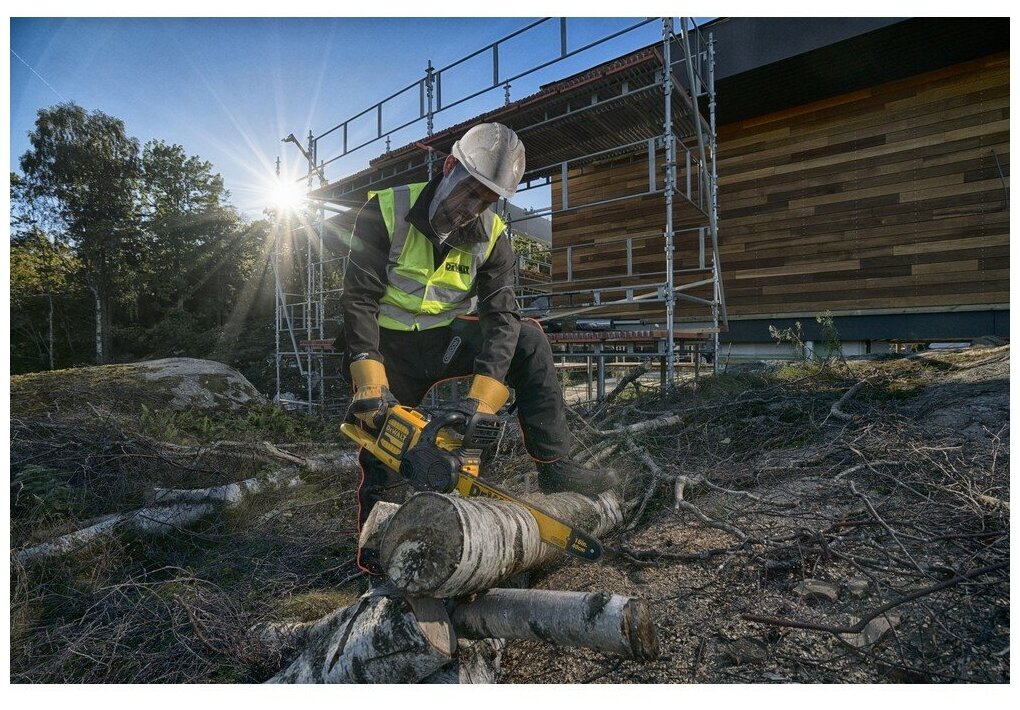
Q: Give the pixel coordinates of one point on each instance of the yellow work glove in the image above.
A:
(372, 396)
(490, 393)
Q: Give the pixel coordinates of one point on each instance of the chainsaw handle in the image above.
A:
(441, 421)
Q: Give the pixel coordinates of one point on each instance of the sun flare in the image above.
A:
(287, 196)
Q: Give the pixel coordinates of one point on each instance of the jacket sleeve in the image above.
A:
(365, 283)
(498, 316)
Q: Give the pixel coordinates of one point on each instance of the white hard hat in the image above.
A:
(494, 155)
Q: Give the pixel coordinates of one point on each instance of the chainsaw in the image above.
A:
(431, 454)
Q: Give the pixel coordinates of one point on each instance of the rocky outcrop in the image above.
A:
(170, 383)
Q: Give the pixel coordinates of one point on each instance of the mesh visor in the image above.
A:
(459, 199)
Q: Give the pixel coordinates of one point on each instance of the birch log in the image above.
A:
(154, 520)
(232, 494)
(609, 623)
(445, 546)
(377, 640)
(376, 523)
(172, 510)
(477, 662)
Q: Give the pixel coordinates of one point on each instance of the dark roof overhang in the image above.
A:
(763, 65)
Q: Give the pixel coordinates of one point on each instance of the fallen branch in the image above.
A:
(680, 504)
(631, 376)
(871, 465)
(599, 455)
(878, 518)
(231, 494)
(174, 509)
(155, 520)
(345, 459)
(650, 425)
(836, 409)
(608, 623)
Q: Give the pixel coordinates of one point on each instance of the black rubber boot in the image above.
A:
(567, 476)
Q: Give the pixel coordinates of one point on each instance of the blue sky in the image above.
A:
(229, 89)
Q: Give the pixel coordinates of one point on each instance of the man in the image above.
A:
(428, 295)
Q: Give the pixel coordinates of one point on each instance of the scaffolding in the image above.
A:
(656, 104)
(308, 287)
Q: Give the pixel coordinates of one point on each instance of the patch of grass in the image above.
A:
(893, 390)
(315, 604)
(40, 492)
(805, 368)
(726, 384)
(255, 422)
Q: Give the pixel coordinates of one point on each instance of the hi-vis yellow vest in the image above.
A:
(420, 296)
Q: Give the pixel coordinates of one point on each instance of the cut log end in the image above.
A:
(639, 630)
(411, 551)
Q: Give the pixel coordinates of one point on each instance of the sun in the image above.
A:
(286, 196)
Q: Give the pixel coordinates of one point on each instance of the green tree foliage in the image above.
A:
(46, 304)
(48, 301)
(82, 170)
(134, 242)
(199, 254)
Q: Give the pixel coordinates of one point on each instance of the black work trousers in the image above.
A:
(417, 360)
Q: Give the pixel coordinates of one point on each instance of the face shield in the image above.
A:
(459, 199)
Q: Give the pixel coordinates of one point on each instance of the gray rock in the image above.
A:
(199, 384)
(745, 650)
(858, 587)
(816, 589)
(875, 630)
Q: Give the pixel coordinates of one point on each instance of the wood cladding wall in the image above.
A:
(889, 198)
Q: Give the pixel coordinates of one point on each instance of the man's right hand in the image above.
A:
(372, 396)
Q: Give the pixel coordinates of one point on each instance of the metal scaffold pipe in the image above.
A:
(429, 122)
(717, 296)
(667, 130)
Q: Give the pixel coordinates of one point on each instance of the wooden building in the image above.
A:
(863, 170)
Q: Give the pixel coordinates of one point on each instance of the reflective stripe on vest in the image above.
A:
(418, 295)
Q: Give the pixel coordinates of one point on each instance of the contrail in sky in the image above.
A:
(38, 75)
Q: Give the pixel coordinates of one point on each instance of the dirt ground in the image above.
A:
(908, 492)
(839, 522)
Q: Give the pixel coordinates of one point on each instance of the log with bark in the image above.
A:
(610, 623)
(447, 546)
(389, 638)
(172, 509)
(437, 618)
(377, 640)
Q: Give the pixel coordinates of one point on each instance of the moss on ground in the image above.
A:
(115, 387)
(315, 604)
